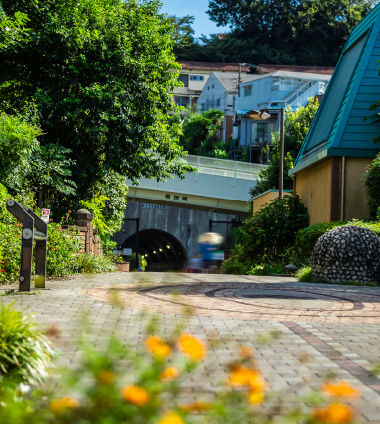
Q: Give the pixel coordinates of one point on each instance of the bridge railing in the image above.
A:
(223, 167)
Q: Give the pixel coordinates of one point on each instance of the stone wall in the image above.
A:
(347, 253)
(90, 242)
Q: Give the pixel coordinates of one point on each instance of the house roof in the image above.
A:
(230, 80)
(288, 74)
(266, 69)
(338, 128)
(209, 66)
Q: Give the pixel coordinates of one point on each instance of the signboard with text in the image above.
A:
(45, 215)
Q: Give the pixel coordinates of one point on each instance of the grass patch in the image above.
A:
(305, 275)
(267, 269)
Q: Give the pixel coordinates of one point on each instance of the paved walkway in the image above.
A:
(325, 328)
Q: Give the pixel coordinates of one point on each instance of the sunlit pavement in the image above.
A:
(324, 328)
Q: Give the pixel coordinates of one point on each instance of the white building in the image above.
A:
(220, 92)
(280, 89)
(194, 76)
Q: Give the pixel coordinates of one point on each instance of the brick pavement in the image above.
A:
(336, 327)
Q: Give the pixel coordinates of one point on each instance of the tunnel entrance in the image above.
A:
(161, 250)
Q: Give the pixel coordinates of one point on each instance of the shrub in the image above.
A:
(266, 235)
(372, 183)
(62, 249)
(85, 263)
(24, 350)
(300, 252)
(267, 269)
(305, 274)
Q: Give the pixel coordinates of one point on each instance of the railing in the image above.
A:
(29, 221)
(223, 167)
(302, 96)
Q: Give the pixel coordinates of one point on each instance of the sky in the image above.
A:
(196, 8)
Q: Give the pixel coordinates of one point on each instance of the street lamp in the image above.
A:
(261, 115)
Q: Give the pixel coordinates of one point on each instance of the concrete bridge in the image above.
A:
(218, 186)
(165, 219)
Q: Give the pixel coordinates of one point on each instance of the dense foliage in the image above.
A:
(24, 349)
(372, 184)
(62, 247)
(95, 77)
(200, 131)
(266, 235)
(300, 252)
(296, 124)
(279, 31)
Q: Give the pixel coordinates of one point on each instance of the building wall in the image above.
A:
(355, 196)
(186, 225)
(261, 93)
(212, 91)
(314, 186)
(265, 198)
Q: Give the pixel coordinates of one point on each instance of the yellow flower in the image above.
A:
(341, 388)
(136, 395)
(158, 347)
(169, 374)
(256, 397)
(63, 404)
(196, 407)
(192, 347)
(171, 418)
(104, 377)
(335, 413)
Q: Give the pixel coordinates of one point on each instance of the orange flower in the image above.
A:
(171, 418)
(196, 407)
(242, 376)
(246, 352)
(169, 374)
(341, 388)
(105, 377)
(64, 404)
(192, 347)
(158, 347)
(136, 395)
(335, 413)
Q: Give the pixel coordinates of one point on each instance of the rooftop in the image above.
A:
(308, 76)
(230, 80)
(322, 70)
(210, 66)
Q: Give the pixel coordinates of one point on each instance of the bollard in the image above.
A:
(30, 221)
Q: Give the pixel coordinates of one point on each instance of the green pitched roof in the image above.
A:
(338, 128)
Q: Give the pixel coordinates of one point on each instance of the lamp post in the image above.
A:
(262, 115)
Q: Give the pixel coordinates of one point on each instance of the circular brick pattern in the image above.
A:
(247, 301)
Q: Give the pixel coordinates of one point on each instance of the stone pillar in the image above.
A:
(84, 218)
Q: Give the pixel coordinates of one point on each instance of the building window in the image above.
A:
(217, 102)
(184, 78)
(261, 133)
(197, 78)
(248, 90)
(181, 101)
(286, 84)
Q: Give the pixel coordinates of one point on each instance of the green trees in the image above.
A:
(280, 31)
(297, 124)
(94, 75)
(200, 132)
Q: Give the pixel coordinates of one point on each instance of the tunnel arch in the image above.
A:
(161, 249)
